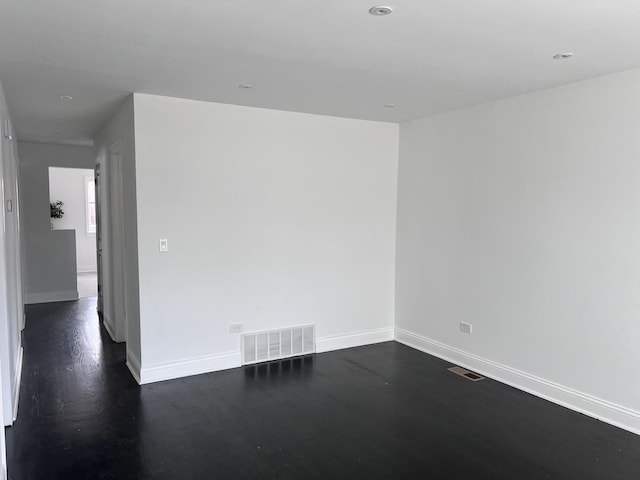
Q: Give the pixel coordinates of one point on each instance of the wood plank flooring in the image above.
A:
(377, 412)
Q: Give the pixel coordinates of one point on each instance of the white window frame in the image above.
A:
(91, 229)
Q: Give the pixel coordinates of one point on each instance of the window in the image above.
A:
(91, 204)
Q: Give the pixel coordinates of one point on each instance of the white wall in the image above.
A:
(522, 217)
(273, 219)
(120, 263)
(69, 185)
(49, 256)
(11, 306)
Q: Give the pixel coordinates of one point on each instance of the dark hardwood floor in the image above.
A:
(381, 411)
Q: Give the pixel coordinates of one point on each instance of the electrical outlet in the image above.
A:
(465, 327)
(235, 328)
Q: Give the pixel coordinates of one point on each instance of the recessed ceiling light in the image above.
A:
(65, 97)
(380, 11)
(245, 85)
(562, 56)
(390, 105)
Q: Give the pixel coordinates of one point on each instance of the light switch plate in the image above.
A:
(164, 245)
(235, 328)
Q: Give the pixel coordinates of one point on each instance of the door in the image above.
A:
(117, 249)
(98, 238)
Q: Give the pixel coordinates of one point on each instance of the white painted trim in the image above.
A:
(89, 181)
(89, 269)
(190, 366)
(133, 364)
(108, 327)
(16, 383)
(354, 339)
(223, 361)
(603, 410)
(46, 297)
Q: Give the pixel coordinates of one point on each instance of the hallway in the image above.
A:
(77, 400)
(381, 411)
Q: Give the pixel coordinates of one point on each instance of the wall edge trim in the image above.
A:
(108, 327)
(189, 366)
(133, 364)
(89, 269)
(226, 360)
(594, 407)
(16, 383)
(354, 339)
(47, 297)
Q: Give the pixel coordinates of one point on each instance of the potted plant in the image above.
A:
(56, 210)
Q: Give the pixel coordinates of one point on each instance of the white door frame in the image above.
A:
(114, 291)
(11, 301)
(97, 178)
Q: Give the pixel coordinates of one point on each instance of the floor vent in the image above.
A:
(275, 344)
(466, 374)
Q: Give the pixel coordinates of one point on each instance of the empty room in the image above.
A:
(320, 240)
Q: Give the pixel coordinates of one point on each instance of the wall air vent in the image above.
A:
(276, 344)
(463, 372)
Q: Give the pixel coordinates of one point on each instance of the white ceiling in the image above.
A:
(329, 57)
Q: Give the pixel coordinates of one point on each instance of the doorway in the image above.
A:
(73, 207)
(112, 281)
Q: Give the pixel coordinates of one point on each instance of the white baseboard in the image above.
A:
(16, 384)
(133, 364)
(355, 339)
(223, 361)
(86, 270)
(108, 327)
(608, 412)
(47, 297)
(190, 366)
